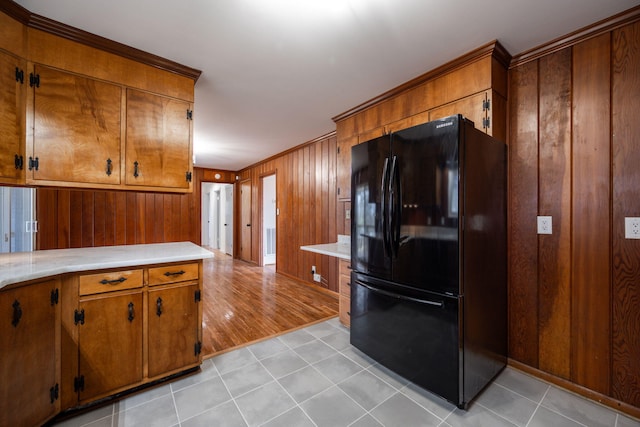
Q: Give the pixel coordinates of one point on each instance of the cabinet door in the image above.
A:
(173, 328)
(28, 348)
(158, 144)
(472, 107)
(12, 71)
(345, 292)
(110, 343)
(76, 128)
(344, 167)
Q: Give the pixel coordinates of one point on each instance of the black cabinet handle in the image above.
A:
(248, 225)
(174, 273)
(109, 167)
(113, 282)
(136, 171)
(17, 313)
(132, 314)
(159, 306)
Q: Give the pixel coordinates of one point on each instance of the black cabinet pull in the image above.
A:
(132, 314)
(109, 167)
(136, 171)
(248, 225)
(174, 273)
(159, 306)
(112, 282)
(17, 313)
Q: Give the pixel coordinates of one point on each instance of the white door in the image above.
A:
(269, 220)
(18, 224)
(228, 219)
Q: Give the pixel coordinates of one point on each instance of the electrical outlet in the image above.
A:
(632, 228)
(545, 225)
(317, 277)
(347, 214)
(313, 269)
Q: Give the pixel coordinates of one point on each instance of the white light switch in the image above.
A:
(545, 225)
(632, 228)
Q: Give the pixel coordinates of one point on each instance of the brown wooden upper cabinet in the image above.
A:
(158, 142)
(76, 129)
(12, 82)
(76, 114)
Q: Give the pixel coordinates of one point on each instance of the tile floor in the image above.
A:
(314, 377)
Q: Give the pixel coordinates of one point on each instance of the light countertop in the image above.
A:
(340, 249)
(23, 266)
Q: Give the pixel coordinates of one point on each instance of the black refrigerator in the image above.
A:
(428, 255)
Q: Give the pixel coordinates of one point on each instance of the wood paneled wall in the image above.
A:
(574, 151)
(69, 218)
(307, 200)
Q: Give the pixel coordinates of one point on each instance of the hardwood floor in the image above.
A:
(244, 303)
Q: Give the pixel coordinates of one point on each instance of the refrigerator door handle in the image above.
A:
(400, 297)
(384, 206)
(394, 221)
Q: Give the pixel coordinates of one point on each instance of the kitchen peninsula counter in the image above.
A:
(26, 266)
(341, 249)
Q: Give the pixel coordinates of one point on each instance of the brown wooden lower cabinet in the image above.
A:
(83, 337)
(29, 345)
(344, 282)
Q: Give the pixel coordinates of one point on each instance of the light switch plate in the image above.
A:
(545, 225)
(632, 228)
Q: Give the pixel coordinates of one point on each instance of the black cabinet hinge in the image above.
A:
(34, 80)
(54, 393)
(18, 162)
(197, 348)
(486, 105)
(55, 296)
(486, 123)
(198, 295)
(78, 383)
(338, 191)
(78, 317)
(189, 176)
(17, 313)
(189, 114)
(19, 75)
(34, 163)
(338, 150)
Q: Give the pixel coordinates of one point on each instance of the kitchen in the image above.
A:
(571, 293)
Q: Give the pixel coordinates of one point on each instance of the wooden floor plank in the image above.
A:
(244, 303)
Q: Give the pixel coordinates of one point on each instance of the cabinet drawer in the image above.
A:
(173, 273)
(108, 282)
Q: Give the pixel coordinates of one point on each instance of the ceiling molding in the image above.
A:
(578, 36)
(493, 48)
(68, 32)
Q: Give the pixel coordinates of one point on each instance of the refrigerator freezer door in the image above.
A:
(413, 334)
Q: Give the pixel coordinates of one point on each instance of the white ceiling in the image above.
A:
(274, 72)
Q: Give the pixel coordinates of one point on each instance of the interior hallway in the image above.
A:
(245, 303)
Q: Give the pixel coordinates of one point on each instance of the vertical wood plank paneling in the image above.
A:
(88, 219)
(523, 208)
(110, 218)
(47, 217)
(121, 218)
(590, 323)
(75, 219)
(131, 218)
(64, 219)
(626, 202)
(99, 206)
(151, 217)
(554, 250)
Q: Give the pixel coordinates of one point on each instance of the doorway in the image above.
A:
(18, 223)
(269, 219)
(217, 216)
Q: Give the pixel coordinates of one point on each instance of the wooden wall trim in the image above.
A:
(494, 49)
(593, 30)
(577, 389)
(59, 29)
(286, 152)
